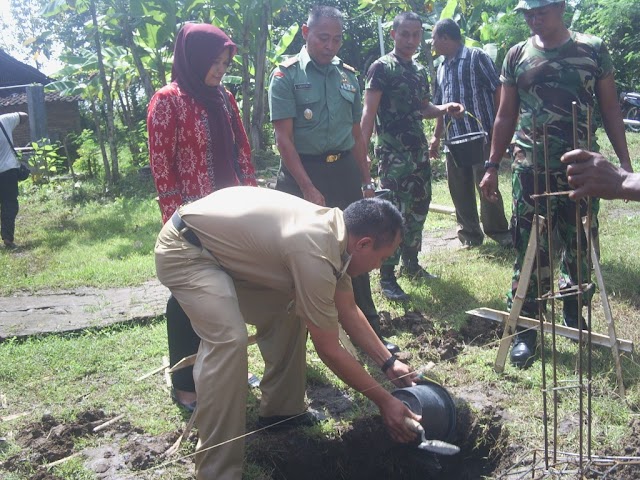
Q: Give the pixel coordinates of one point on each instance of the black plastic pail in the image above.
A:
(435, 405)
(467, 149)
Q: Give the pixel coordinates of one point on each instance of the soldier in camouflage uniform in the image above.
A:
(541, 77)
(396, 99)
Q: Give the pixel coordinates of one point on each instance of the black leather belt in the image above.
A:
(328, 157)
(184, 230)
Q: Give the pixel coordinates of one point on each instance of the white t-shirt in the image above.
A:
(8, 159)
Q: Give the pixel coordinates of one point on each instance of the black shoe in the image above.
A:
(392, 347)
(416, 272)
(570, 314)
(281, 422)
(524, 349)
(392, 291)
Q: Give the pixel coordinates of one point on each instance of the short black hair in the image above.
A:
(324, 11)
(405, 17)
(375, 218)
(448, 27)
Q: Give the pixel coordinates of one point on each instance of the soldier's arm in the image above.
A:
(429, 110)
(503, 129)
(369, 112)
(359, 151)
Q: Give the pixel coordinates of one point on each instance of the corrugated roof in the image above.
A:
(21, 98)
(13, 72)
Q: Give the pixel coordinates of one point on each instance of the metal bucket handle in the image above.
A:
(468, 113)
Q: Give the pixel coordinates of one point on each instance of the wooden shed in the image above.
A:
(62, 112)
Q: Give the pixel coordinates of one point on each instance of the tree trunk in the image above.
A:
(257, 117)
(106, 92)
(246, 80)
(100, 138)
(131, 131)
(133, 48)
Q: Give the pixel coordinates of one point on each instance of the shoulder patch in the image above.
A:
(289, 61)
(349, 67)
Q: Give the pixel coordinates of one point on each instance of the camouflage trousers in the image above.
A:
(407, 174)
(562, 213)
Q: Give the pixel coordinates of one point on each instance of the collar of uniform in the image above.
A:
(401, 61)
(305, 60)
(462, 52)
(346, 260)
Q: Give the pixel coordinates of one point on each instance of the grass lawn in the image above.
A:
(71, 237)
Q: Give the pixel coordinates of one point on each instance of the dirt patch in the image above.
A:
(364, 451)
(123, 449)
(361, 450)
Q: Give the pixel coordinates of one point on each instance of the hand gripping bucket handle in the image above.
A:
(436, 406)
(464, 148)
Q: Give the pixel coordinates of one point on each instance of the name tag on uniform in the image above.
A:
(302, 86)
(345, 84)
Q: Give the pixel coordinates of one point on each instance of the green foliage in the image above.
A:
(616, 21)
(46, 160)
(88, 153)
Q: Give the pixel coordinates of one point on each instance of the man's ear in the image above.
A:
(393, 34)
(305, 31)
(364, 242)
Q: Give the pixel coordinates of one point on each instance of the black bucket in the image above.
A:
(436, 407)
(467, 149)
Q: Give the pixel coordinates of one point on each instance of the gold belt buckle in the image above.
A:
(333, 157)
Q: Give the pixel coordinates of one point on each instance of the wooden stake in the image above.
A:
(104, 425)
(613, 338)
(523, 284)
(62, 460)
(154, 371)
(568, 332)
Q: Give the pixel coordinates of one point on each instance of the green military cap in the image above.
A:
(530, 4)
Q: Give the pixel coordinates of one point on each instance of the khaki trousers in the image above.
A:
(219, 309)
(463, 183)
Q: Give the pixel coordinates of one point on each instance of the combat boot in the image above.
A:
(412, 269)
(375, 325)
(570, 314)
(389, 285)
(524, 348)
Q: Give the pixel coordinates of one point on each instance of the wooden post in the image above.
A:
(37, 113)
(613, 338)
(521, 291)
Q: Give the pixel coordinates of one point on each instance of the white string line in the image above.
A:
(380, 385)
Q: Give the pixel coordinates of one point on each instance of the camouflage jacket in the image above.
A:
(548, 82)
(405, 88)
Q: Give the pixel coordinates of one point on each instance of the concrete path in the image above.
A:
(68, 310)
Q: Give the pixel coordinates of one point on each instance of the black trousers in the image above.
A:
(8, 203)
(183, 342)
(340, 183)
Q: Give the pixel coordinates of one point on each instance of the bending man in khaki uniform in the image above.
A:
(241, 255)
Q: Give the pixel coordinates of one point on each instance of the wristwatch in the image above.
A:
(368, 186)
(488, 165)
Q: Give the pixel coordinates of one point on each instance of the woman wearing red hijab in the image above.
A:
(197, 144)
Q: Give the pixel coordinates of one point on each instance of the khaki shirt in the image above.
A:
(323, 100)
(277, 241)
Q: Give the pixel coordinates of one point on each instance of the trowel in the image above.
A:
(435, 446)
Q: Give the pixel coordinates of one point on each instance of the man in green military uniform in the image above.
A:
(315, 105)
(542, 77)
(397, 100)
